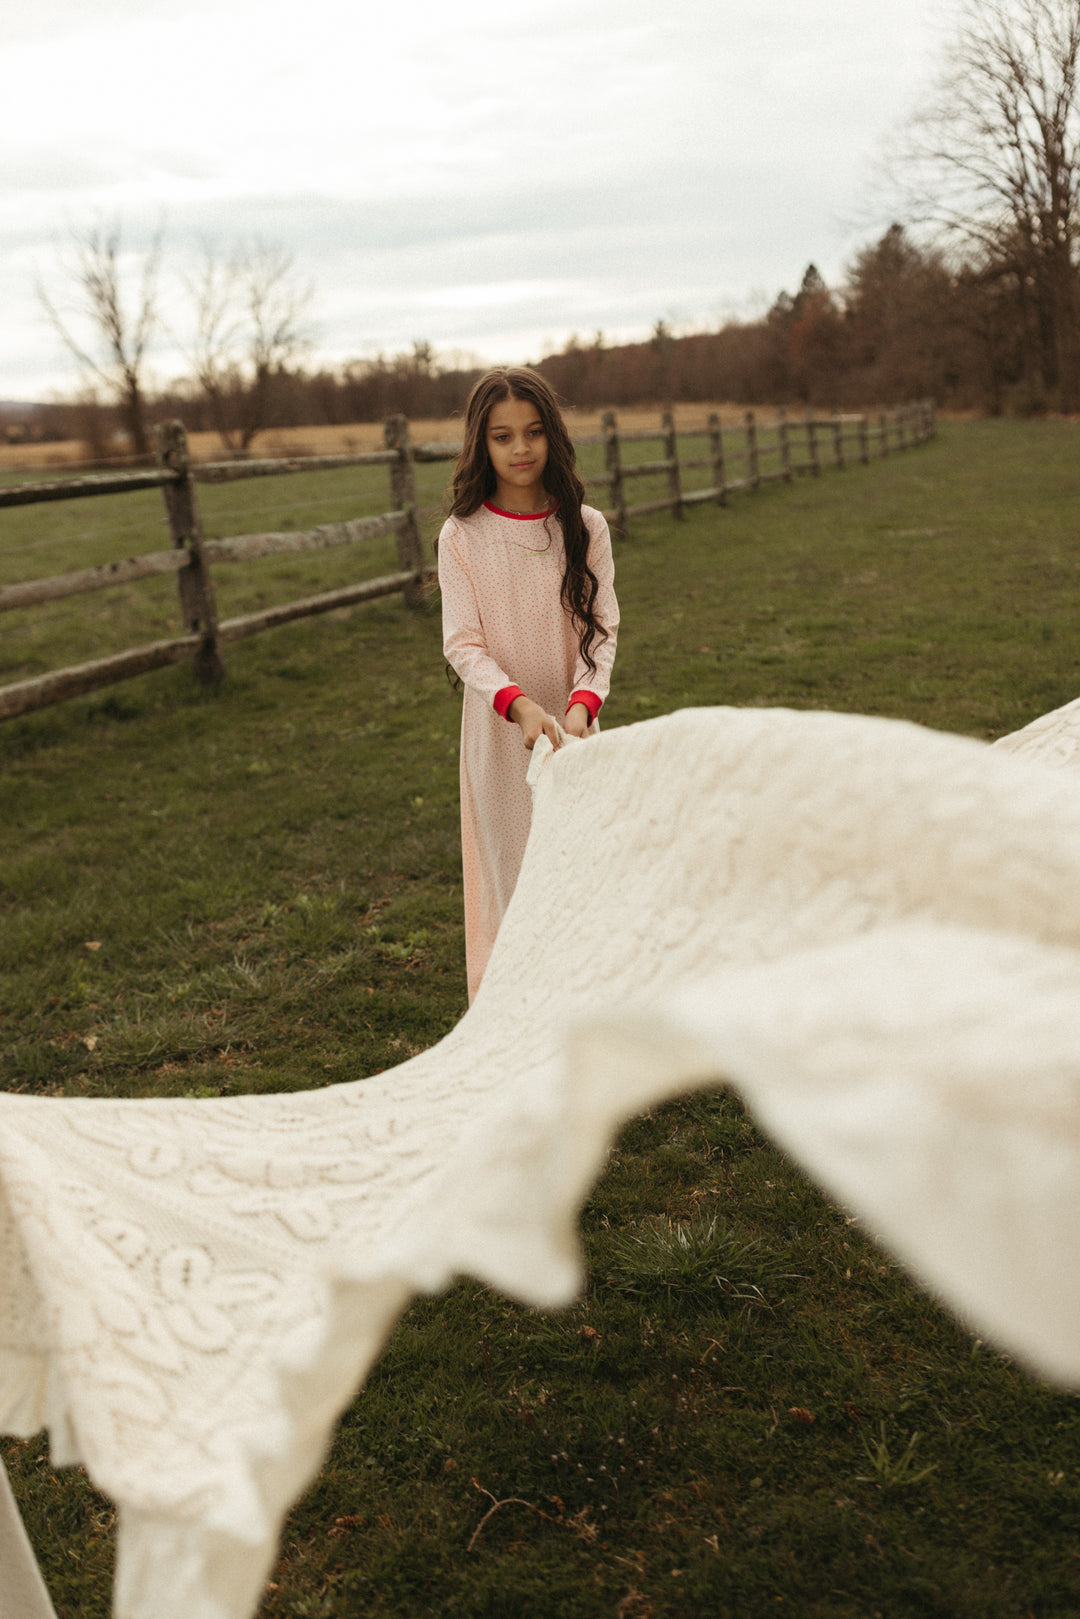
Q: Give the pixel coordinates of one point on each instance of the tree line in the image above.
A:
(972, 297)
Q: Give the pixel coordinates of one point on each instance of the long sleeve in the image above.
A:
(464, 643)
(504, 622)
(607, 609)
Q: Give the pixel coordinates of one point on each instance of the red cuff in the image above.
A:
(591, 701)
(504, 698)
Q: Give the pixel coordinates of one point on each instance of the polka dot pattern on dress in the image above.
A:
(504, 624)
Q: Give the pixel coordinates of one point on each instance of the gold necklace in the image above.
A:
(540, 511)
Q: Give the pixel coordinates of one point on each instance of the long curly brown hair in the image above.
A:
(474, 482)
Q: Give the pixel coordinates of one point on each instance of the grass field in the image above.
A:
(259, 890)
(350, 437)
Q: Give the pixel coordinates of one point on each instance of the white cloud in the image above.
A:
(611, 160)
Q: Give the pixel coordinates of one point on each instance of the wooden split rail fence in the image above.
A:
(768, 452)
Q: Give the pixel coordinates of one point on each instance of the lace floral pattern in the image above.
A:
(853, 919)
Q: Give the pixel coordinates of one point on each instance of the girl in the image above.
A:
(529, 623)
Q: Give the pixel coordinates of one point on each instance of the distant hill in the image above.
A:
(17, 407)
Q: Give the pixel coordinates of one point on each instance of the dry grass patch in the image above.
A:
(351, 438)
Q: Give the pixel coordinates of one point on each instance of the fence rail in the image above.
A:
(191, 555)
(885, 432)
(98, 483)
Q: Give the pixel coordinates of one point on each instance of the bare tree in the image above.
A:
(121, 328)
(250, 327)
(994, 159)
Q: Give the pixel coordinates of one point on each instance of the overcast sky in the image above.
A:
(485, 176)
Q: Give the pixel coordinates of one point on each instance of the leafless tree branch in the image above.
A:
(250, 327)
(993, 161)
(123, 336)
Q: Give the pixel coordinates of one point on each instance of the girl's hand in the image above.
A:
(577, 720)
(533, 721)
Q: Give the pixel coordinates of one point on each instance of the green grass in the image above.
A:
(750, 1410)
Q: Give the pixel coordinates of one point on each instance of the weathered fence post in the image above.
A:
(671, 453)
(883, 425)
(752, 473)
(613, 464)
(403, 499)
(716, 442)
(901, 428)
(838, 439)
(811, 444)
(196, 587)
(864, 439)
(785, 447)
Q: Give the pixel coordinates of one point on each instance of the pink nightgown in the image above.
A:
(504, 625)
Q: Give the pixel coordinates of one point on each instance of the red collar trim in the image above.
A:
(519, 517)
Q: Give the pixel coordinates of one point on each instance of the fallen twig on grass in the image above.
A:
(510, 1501)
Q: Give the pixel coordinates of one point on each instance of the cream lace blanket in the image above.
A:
(873, 930)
